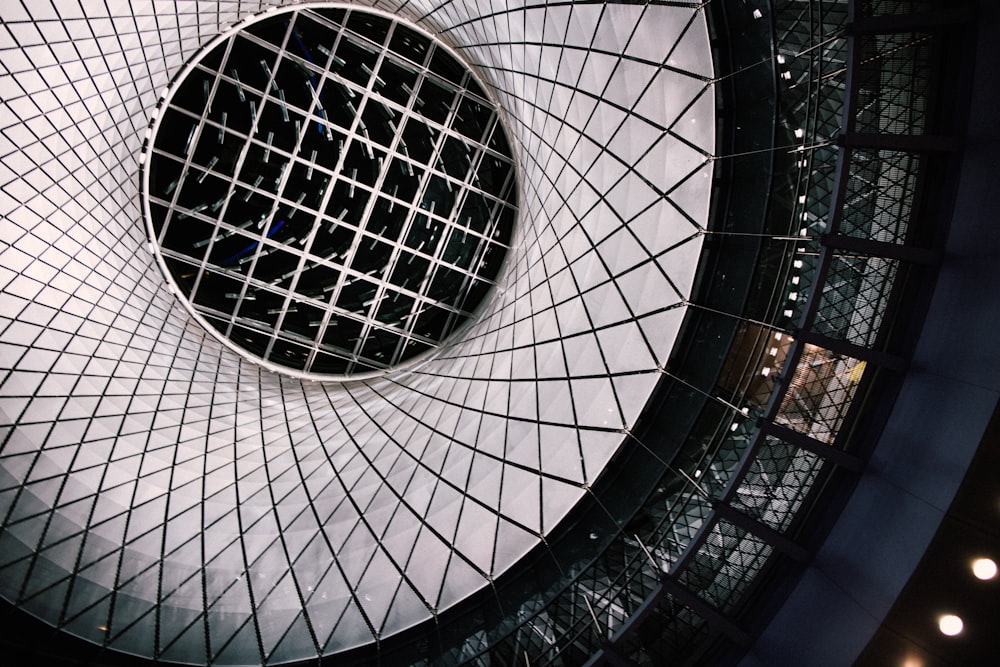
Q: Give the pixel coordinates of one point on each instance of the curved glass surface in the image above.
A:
(610, 462)
(163, 495)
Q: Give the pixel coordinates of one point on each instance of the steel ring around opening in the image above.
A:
(331, 193)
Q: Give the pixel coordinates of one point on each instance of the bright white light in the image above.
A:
(950, 624)
(984, 568)
(757, 14)
(799, 132)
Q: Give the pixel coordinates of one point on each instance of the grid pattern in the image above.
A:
(772, 489)
(163, 496)
(821, 391)
(344, 198)
(892, 99)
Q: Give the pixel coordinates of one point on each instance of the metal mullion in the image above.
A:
(408, 115)
(484, 145)
(241, 158)
(469, 273)
(363, 41)
(172, 205)
(422, 289)
(279, 191)
(438, 262)
(352, 135)
(377, 189)
(498, 206)
(265, 98)
(184, 172)
(173, 254)
(496, 197)
(348, 260)
(259, 41)
(473, 162)
(325, 73)
(463, 291)
(292, 291)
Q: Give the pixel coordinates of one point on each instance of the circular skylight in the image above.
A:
(330, 191)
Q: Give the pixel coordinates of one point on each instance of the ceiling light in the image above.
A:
(950, 625)
(984, 568)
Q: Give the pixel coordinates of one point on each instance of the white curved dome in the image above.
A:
(166, 497)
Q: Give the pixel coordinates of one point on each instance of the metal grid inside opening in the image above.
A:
(330, 189)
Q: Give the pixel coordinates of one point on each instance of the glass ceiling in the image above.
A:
(344, 196)
(165, 496)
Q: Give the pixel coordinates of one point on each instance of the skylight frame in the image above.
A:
(161, 206)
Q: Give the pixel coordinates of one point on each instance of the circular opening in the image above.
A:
(330, 190)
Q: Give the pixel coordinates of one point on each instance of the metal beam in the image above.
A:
(872, 248)
(915, 143)
(825, 451)
(838, 346)
(709, 612)
(778, 540)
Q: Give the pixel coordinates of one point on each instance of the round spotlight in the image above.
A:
(984, 568)
(950, 625)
